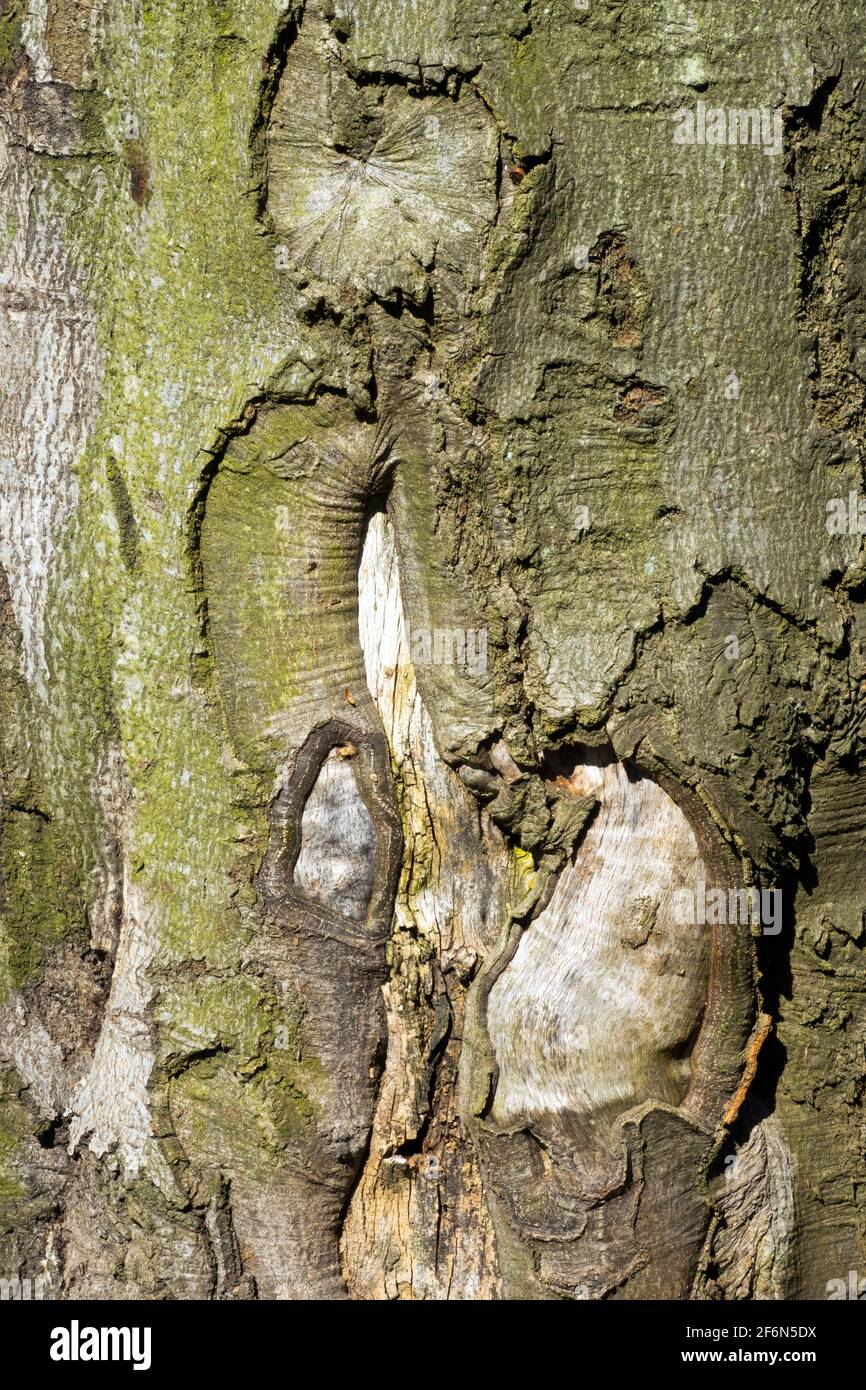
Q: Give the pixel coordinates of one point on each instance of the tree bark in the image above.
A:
(431, 614)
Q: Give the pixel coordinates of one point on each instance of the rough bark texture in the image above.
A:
(420, 566)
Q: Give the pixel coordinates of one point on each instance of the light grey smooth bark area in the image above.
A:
(431, 648)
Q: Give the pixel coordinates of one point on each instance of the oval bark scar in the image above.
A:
(583, 1025)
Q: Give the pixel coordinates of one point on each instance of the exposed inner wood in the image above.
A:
(596, 1010)
(337, 860)
(418, 1225)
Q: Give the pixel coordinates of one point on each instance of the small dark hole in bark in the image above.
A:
(54, 1135)
(562, 762)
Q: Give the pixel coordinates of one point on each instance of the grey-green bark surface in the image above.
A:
(429, 542)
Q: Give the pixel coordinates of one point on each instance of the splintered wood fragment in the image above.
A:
(763, 1028)
(418, 1225)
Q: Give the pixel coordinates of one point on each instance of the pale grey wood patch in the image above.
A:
(337, 861)
(594, 1013)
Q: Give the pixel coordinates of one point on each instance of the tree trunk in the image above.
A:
(431, 609)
